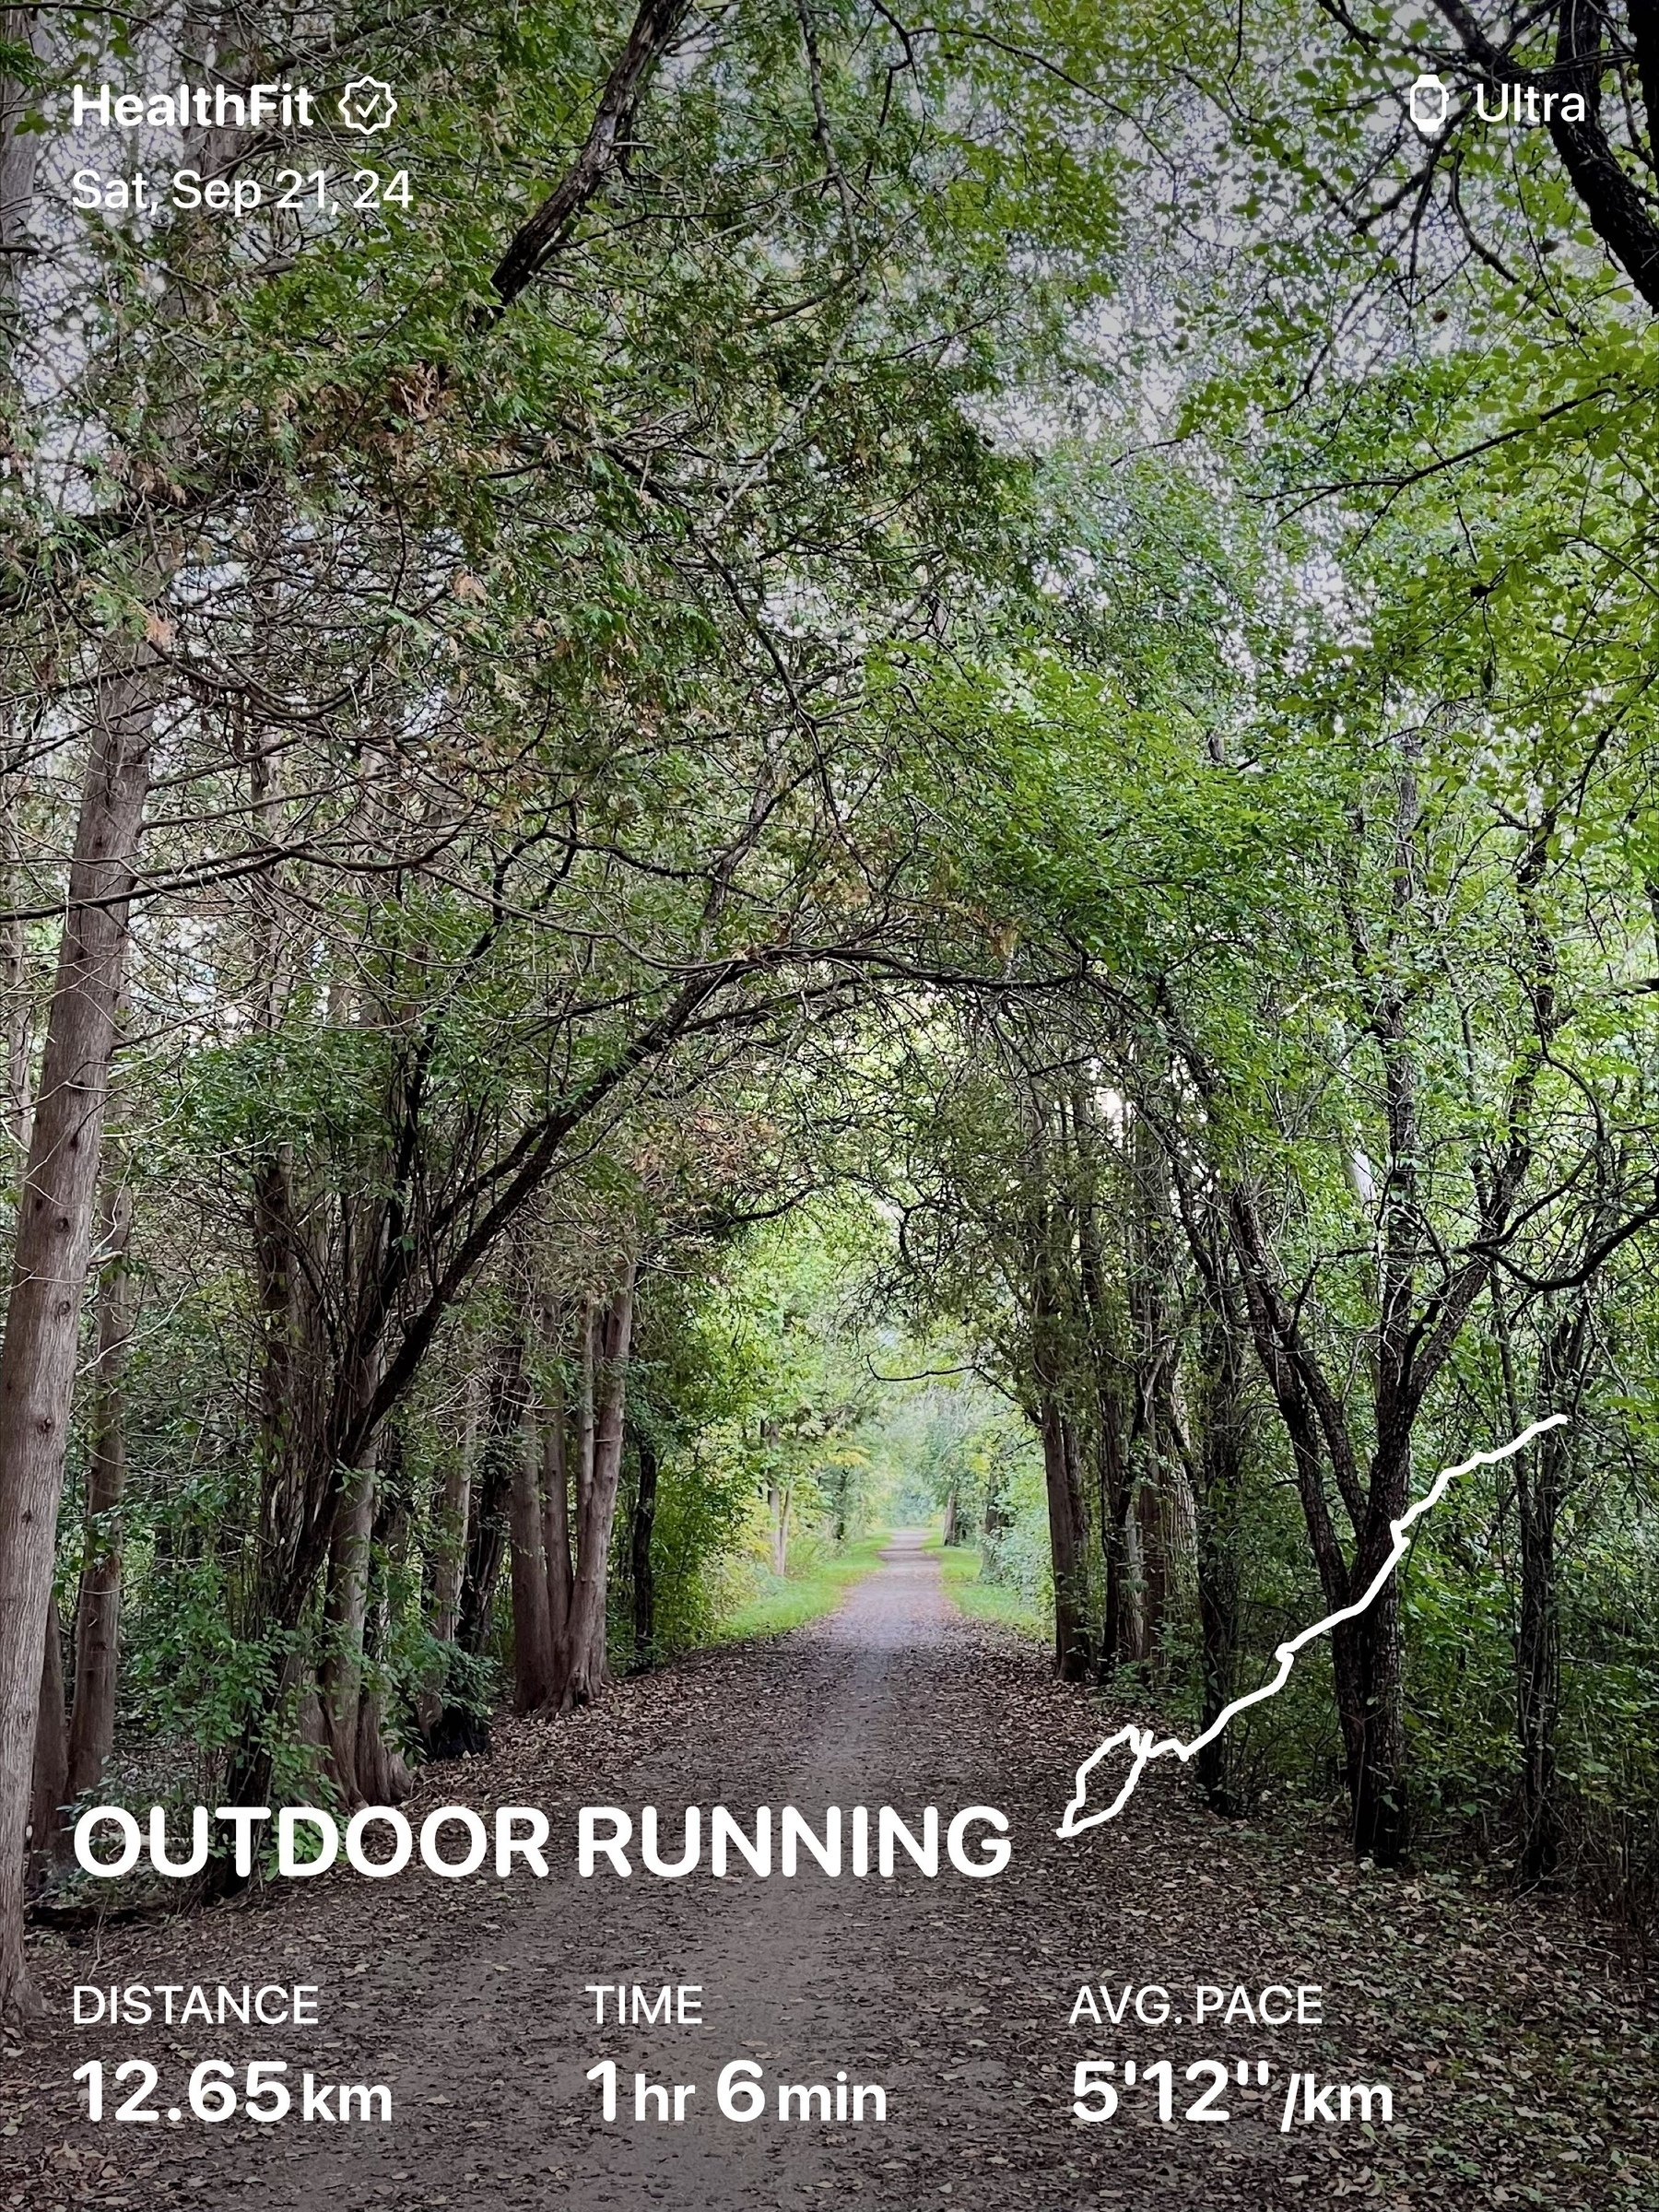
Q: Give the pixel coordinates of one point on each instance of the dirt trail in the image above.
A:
(1516, 2066)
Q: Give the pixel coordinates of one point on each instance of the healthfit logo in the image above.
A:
(368, 105)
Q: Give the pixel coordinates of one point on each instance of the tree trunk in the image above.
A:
(98, 1611)
(1368, 1662)
(532, 1637)
(49, 1790)
(555, 1523)
(585, 1387)
(1539, 1662)
(1068, 1539)
(1122, 1628)
(313, 1518)
(1161, 1501)
(382, 1777)
(457, 1730)
(1367, 1656)
(581, 1661)
(455, 1521)
(1541, 1481)
(15, 989)
(778, 1499)
(643, 1574)
(346, 1603)
(1148, 1549)
(344, 1617)
(1054, 1353)
(19, 157)
(1122, 1621)
(54, 1248)
(1222, 1451)
(449, 1532)
(503, 1449)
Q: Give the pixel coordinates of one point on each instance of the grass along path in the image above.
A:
(791, 1601)
(962, 1569)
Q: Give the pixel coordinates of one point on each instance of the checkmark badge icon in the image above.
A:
(368, 105)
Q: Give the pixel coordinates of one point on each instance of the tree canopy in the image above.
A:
(844, 698)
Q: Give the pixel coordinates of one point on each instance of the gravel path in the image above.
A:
(1517, 2064)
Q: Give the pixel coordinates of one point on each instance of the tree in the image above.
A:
(53, 1250)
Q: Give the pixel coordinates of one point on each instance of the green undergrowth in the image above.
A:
(963, 1567)
(790, 1601)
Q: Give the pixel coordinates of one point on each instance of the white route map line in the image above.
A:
(1143, 1742)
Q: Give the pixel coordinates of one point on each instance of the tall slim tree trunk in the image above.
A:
(1149, 1547)
(1221, 1456)
(586, 1388)
(1068, 1540)
(451, 1530)
(1541, 1483)
(1368, 1665)
(19, 151)
(382, 1775)
(1539, 1660)
(54, 1248)
(455, 1519)
(48, 1788)
(1368, 1660)
(1122, 1621)
(1056, 1352)
(14, 992)
(98, 1611)
(345, 1601)
(532, 1634)
(457, 1730)
(952, 1535)
(1134, 1641)
(344, 1615)
(555, 1523)
(643, 1573)
(1121, 1626)
(1161, 1504)
(778, 1499)
(24, 28)
(582, 1660)
(502, 1451)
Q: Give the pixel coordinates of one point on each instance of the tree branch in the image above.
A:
(1618, 212)
(605, 146)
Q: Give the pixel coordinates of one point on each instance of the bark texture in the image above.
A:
(603, 150)
(455, 1519)
(98, 1609)
(344, 1616)
(1543, 1480)
(54, 1248)
(556, 1520)
(531, 1631)
(582, 1659)
(48, 1788)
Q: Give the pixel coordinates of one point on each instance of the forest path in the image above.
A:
(467, 1999)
